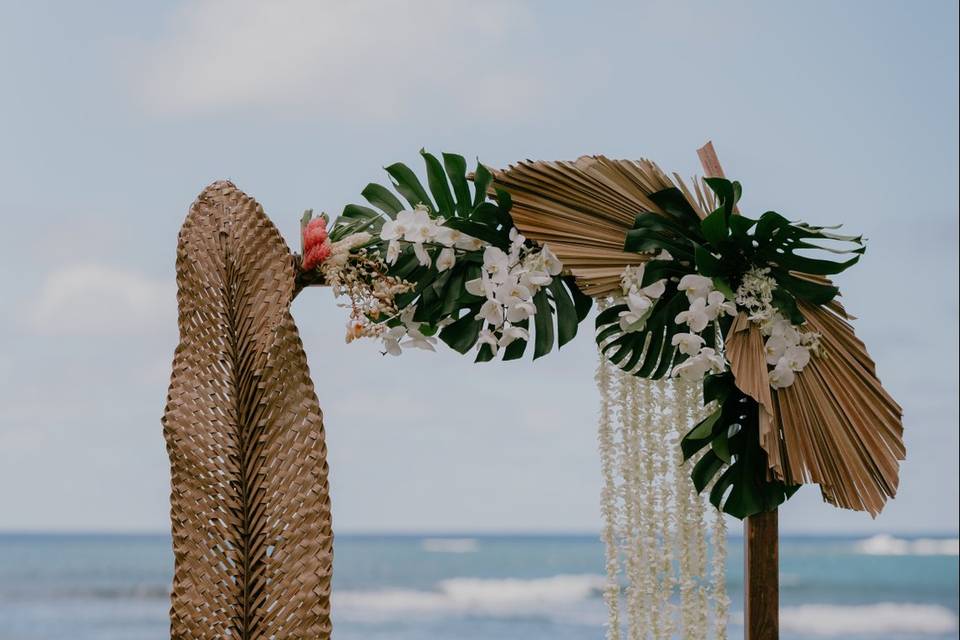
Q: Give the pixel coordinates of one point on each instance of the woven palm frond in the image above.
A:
(583, 210)
(249, 501)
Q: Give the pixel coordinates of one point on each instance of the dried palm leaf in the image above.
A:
(249, 501)
(583, 210)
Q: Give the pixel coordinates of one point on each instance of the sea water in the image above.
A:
(473, 587)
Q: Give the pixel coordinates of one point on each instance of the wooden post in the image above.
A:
(761, 577)
(761, 541)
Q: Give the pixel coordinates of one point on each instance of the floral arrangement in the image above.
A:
(449, 264)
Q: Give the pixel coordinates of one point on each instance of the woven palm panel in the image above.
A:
(250, 508)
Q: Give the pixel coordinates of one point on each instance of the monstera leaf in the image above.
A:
(249, 501)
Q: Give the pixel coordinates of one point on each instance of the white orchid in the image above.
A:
(691, 369)
(446, 259)
(511, 333)
(635, 317)
(393, 252)
(497, 264)
(521, 311)
(774, 348)
(417, 340)
(391, 340)
(717, 305)
(782, 375)
(696, 317)
(796, 357)
(552, 263)
(713, 359)
(491, 312)
(687, 343)
(422, 256)
(481, 286)
(656, 289)
(511, 292)
(695, 286)
(394, 229)
(488, 337)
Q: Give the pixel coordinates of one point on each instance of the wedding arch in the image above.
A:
(716, 330)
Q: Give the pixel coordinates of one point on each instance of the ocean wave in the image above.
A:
(450, 545)
(550, 597)
(884, 618)
(887, 545)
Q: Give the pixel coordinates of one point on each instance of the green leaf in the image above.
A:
(437, 179)
(707, 264)
(406, 182)
(700, 435)
(721, 285)
(543, 323)
(705, 469)
(462, 334)
(380, 197)
(481, 183)
(581, 301)
(480, 231)
(715, 228)
(456, 167)
(566, 313)
(485, 354)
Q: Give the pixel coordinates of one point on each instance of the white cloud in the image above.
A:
(99, 300)
(360, 58)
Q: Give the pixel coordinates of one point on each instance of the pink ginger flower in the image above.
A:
(316, 254)
(314, 233)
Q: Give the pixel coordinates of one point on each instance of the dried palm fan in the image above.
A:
(836, 426)
(249, 501)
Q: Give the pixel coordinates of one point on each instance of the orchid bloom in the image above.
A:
(393, 252)
(717, 304)
(774, 349)
(391, 340)
(796, 357)
(491, 313)
(696, 317)
(511, 333)
(521, 311)
(782, 375)
(487, 337)
(695, 286)
(687, 343)
(446, 259)
(422, 256)
(496, 263)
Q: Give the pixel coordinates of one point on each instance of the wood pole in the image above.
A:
(761, 541)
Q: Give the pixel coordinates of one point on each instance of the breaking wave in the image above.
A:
(887, 545)
(884, 619)
(553, 597)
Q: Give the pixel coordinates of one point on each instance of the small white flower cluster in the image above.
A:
(787, 349)
(706, 305)
(419, 229)
(509, 281)
(755, 294)
(639, 299)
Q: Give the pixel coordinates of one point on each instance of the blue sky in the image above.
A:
(114, 115)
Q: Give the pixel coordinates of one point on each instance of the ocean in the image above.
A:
(479, 587)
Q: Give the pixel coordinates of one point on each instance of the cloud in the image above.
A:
(362, 58)
(98, 300)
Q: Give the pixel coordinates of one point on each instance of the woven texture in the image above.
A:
(250, 508)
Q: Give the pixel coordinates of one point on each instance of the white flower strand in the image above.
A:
(653, 530)
(608, 496)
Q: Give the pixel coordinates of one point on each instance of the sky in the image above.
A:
(115, 115)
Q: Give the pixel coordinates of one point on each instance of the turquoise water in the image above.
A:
(96, 587)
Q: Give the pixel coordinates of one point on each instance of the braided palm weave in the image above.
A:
(250, 508)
